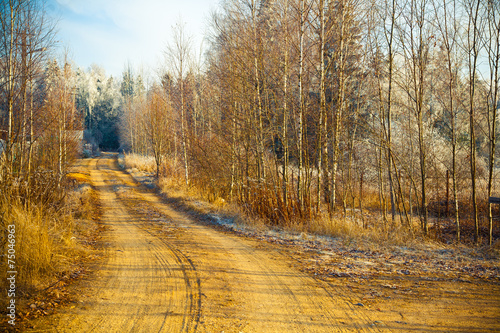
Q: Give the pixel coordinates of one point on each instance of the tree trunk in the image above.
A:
(494, 60)
(473, 47)
(300, 144)
(322, 114)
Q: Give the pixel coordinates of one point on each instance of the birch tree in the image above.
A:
(179, 54)
(447, 24)
(472, 49)
(492, 46)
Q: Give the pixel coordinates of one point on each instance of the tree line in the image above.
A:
(49, 107)
(307, 108)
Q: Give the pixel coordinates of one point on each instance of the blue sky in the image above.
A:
(112, 33)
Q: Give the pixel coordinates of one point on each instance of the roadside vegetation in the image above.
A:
(351, 117)
(46, 213)
(53, 236)
(347, 231)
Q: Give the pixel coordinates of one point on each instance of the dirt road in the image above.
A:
(164, 272)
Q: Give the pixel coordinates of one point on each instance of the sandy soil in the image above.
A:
(165, 271)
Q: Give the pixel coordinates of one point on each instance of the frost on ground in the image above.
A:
(334, 257)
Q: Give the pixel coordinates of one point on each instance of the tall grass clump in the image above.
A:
(42, 214)
(140, 162)
(35, 241)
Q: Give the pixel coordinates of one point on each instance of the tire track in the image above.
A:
(192, 299)
(143, 285)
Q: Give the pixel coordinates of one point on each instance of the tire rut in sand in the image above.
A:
(187, 296)
(143, 285)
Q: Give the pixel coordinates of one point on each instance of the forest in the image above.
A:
(381, 114)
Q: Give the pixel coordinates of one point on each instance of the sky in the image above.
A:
(114, 33)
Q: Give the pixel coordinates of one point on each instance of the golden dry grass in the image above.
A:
(47, 240)
(44, 243)
(139, 162)
(78, 177)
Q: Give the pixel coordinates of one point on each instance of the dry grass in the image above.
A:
(48, 239)
(139, 163)
(78, 177)
(44, 244)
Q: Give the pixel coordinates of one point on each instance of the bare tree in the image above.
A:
(285, 82)
(26, 34)
(446, 22)
(156, 124)
(493, 52)
(472, 48)
(302, 12)
(179, 53)
(416, 39)
(389, 36)
(342, 52)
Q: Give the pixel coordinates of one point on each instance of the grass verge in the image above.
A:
(364, 228)
(51, 245)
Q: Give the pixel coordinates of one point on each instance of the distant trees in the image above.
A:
(99, 98)
(132, 137)
(305, 106)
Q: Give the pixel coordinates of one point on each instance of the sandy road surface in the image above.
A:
(165, 272)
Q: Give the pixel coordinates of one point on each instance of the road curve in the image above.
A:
(165, 272)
